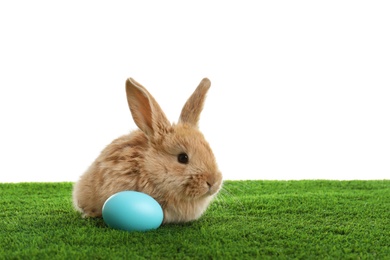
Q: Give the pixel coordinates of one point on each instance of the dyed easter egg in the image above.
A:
(132, 211)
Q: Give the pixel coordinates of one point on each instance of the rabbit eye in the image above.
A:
(182, 158)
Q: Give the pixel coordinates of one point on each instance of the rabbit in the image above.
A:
(173, 163)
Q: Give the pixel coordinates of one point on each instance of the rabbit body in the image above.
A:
(173, 163)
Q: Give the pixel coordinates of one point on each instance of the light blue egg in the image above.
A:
(132, 211)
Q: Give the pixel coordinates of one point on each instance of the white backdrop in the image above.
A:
(300, 89)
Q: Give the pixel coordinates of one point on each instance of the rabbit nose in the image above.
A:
(211, 182)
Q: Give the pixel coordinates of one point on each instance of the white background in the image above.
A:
(300, 89)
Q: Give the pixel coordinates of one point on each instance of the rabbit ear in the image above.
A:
(146, 112)
(194, 105)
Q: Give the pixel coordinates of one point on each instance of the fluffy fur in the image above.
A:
(146, 160)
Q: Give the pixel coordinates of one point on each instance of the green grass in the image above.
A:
(249, 219)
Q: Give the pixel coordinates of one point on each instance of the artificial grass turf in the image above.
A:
(249, 219)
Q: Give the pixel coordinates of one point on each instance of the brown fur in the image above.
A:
(146, 160)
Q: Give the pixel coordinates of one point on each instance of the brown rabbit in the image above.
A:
(173, 163)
